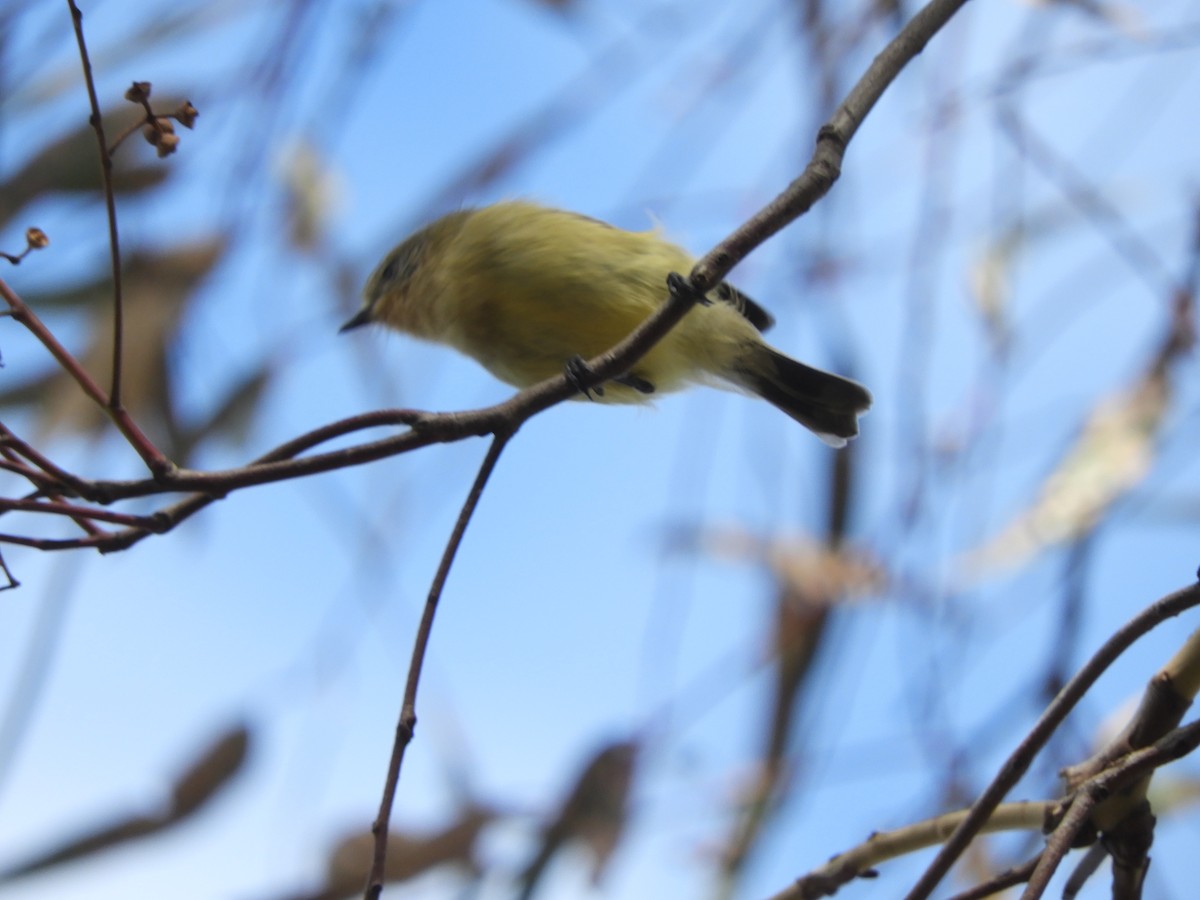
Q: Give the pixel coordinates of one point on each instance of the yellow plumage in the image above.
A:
(524, 289)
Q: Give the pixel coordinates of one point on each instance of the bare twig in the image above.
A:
(1128, 770)
(860, 861)
(832, 139)
(58, 507)
(61, 477)
(408, 711)
(153, 457)
(12, 581)
(10, 463)
(278, 465)
(1006, 879)
(110, 204)
(1085, 869)
(1021, 758)
(35, 239)
(812, 184)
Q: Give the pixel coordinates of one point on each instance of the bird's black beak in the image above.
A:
(360, 318)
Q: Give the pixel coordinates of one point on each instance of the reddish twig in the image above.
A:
(66, 482)
(110, 203)
(153, 457)
(91, 513)
(10, 464)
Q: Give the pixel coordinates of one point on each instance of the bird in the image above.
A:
(527, 290)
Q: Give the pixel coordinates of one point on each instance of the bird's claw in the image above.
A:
(578, 373)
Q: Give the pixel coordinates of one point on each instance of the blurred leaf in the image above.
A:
(214, 768)
(312, 190)
(594, 814)
(1123, 17)
(1174, 792)
(1113, 453)
(210, 772)
(991, 274)
(409, 854)
(71, 165)
(817, 574)
(812, 578)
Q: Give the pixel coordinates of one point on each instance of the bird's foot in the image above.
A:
(639, 384)
(579, 373)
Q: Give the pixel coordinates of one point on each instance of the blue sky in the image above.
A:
(565, 620)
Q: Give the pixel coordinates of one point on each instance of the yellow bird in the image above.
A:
(526, 290)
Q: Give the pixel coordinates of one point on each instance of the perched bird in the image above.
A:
(525, 289)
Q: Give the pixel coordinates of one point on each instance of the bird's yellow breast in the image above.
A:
(529, 288)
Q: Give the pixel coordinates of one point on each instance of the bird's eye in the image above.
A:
(400, 268)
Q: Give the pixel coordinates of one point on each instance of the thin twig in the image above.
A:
(12, 581)
(33, 476)
(110, 203)
(832, 140)
(1017, 764)
(58, 507)
(816, 180)
(884, 845)
(997, 883)
(408, 711)
(154, 458)
(27, 317)
(60, 476)
(1060, 841)
(1085, 869)
(129, 131)
(1136, 765)
(812, 184)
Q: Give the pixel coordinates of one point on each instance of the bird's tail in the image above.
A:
(826, 404)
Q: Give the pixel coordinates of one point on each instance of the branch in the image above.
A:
(1134, 767)
(110, 204)
(812, 184)
(860, 861)
(1017, 764)
(832, 140)
(507, 417)
(154, 458)
(408, 711)
(1006, 879)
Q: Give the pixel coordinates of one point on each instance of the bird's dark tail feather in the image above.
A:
(826, 404)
